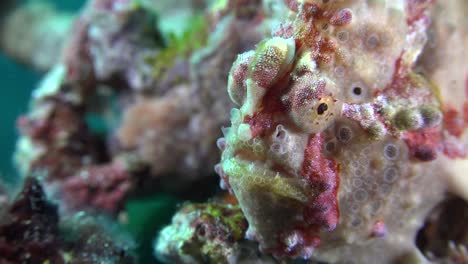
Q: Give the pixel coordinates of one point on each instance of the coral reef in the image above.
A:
(102, 186)
(339, 142)
(185, 120)
(58, 136)
(31, 231)
(124, 93)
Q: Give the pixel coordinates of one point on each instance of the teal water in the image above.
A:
(17, 82)
(72, 5)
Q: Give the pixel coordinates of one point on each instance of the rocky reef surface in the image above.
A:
(124, 96)
(31, 231)
(337, 129)
(208, 233)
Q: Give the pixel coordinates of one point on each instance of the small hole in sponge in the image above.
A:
(280, 132)
(330, 147)
(391, 175)
(344, 134)
(357, 90)
(372, 41)
(390, 151)
(342, 36)
(360, 195)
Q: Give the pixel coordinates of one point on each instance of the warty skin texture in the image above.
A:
(339, 148)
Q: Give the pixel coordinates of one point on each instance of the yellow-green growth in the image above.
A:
(233, 222)
(408, 119)
(194, 38)
(250, 178)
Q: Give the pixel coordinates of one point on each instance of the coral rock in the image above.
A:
(207, 233)
(121, 89)
(100, 187)
(31, 231)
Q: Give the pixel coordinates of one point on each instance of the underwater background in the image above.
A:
(17, 83)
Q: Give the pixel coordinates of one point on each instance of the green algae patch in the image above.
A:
(232, 220)
(193, 38)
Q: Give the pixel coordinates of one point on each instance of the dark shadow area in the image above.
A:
(445, 226)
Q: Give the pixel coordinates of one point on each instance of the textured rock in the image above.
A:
(124, 93)
(31, 231)
(207, 233)
(99, 186)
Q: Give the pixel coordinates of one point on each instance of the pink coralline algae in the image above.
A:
(100, 187)
(340, 146)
